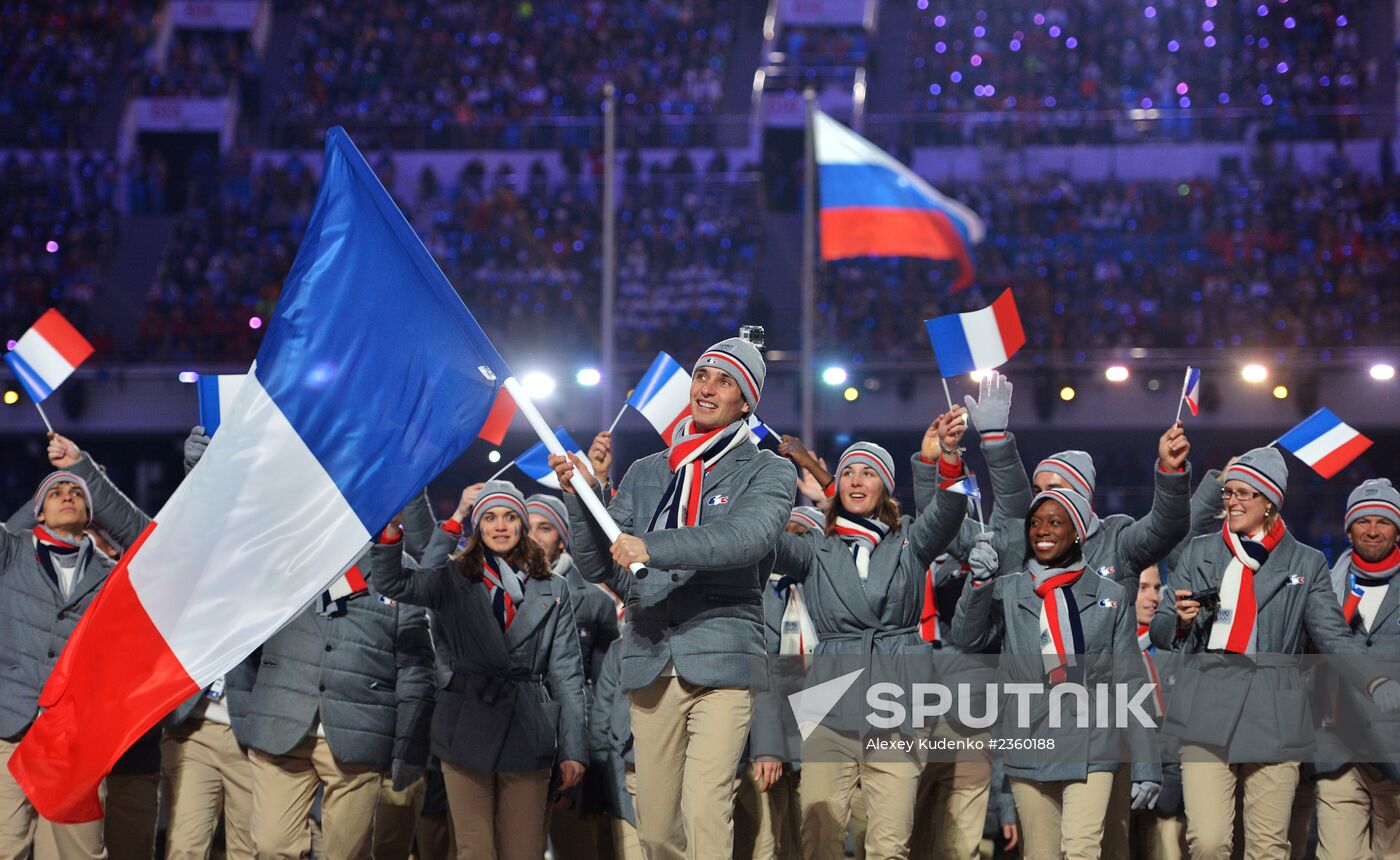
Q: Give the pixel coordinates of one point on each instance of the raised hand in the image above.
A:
(62, 452)
(991, 411)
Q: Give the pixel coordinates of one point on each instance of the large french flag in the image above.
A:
(47, 354)
(1325, 442)
(979, 340)
(372, 377)
(873, 206)
(663, 395)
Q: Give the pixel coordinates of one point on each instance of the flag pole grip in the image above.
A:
(577, 481)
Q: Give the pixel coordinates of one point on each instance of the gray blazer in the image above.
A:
(773, 729)
(514, 700)
(610, 736)
(35, 618)
(1253, 712)
(1121, 546)
(1008, 609)
(596, 616)
(700, 606)
(1206, 509)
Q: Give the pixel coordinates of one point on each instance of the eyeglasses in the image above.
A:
(1242, 495)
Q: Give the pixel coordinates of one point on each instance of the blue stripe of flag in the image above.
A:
(950, 345)
(877, 186)
(662, 368)
(207, 389)
(535, 461)
(31, 382)
(1311, 427)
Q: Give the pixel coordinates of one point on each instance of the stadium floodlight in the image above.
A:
(1254, 373)
(589, 377)
(11, 397)
(1382, 372)
(1067, 393)
(834, 375)
(494, 456)
(1281, 392)
(851, 394)
(189, 377)
(1116, 373)
(978, 375)
(538, 385)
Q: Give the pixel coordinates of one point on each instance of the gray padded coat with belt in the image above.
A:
(701, 603)
(514, 700)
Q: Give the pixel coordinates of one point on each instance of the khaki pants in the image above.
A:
(951, 809)
(283, 789)
(889, 788)
(1209, 787)
(761, 818)
(688, 740)
(1063, 819)
(497, 816)
(206, 772)
(396, 819)
(1158, 837)
(571, 836)
(855, 831)
(23, 834)
(626, 846)
(1358, 815)
(434, 835)
(129, 816)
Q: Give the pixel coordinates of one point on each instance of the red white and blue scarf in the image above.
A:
(862, 535)
(691, 456)
(1367, 583)
(504, 587)
(1145, 643)
(1061, 635)
(46, 546)
(1235, 630)
(796, 634)
(337, 597)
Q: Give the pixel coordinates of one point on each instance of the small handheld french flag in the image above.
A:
(663, 395)
(979, 340)
(216, 395)
(535, 461)
(1325, 442)
(967, 487)
(1191, 390)
(47, 354)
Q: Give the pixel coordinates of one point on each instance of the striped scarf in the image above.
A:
(797, 633)
(504, 587)
(337, 597)
(691, 456)
(862, 536)
(46, 546)
(1367, 583)
(1061, 636)
(1235, 630)
(1145, 643)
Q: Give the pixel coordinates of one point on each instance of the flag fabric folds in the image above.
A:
(498, 421)
(47, 354)
(372, 377)
(216, 396)
(1325, 442)
(535, 461)
(1191, 390)
(979, 340)
(662, 395)
(873, 206)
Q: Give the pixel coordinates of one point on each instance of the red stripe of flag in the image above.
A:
(73, 744)
(1013, 336)
(65, 339)
(498, 420)
(1338, 459)
(874, 231)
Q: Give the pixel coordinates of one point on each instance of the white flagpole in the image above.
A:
(501, 471)
(578, 482)
(620, 413)
(43, 416)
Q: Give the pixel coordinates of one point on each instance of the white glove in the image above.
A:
(1145, 794)
(983, 558)
(1387, 696)
(195, 444)
(991, 411)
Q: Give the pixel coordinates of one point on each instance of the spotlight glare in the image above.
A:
(851, 394)
(255, 323)
(1067, 393)
(494, 456)
(188, 376)
(1116, 373)
(1280, 392)
(978, 375)
(834, 375)
(538, 385)
(1382, 372)
(11, 397)
(1254, 373)
(589, 377)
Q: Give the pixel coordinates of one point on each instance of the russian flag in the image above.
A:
(47, 354)
(535, 461)
(663, 395)
(873, 206)
(1325, 442)
(1191, 390)
(979, 340)
(216, 396)
(498, 422)
(372, 377)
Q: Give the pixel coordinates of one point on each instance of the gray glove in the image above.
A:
(403, 774)
(1145, 794)
(1387, 696)
(195, 443)
(991, 411)
(983, 558)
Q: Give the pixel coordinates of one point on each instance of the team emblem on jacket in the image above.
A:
(1108, 603)
(1106, 571)
(388, 601)
(1296, 579)
(717, 500)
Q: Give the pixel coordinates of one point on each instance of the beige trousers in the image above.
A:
(688, 741)
(434, 835)
(23, 834)
(1158, 837)
(497, 816)
(1063, 819)
(951, 809)
(571, 836)
(626, 846)
(129, 816)
(283, 789)
(889, 787)
(761, 818)
(206, 773)
(1358, 815)
(1209, 787)
(396, 819)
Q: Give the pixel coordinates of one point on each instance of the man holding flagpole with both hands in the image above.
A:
(703, 517)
